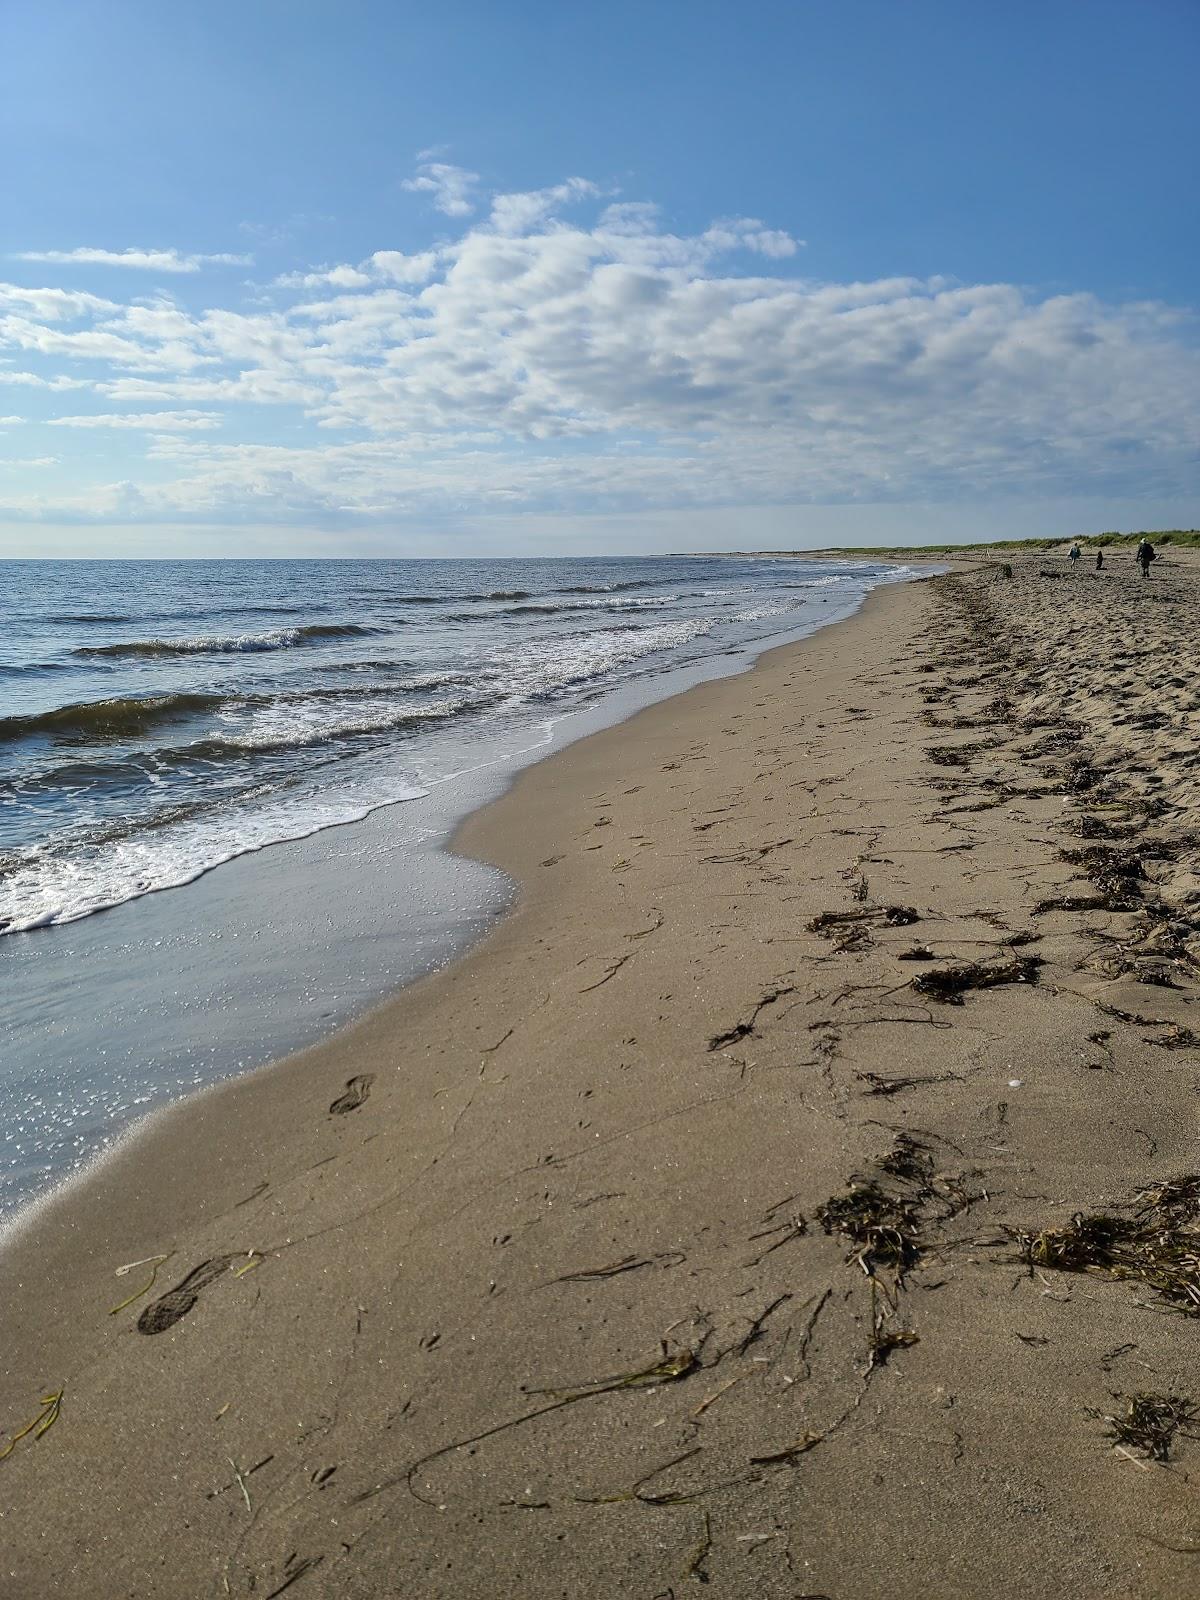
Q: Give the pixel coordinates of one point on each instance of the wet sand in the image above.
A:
(693, 1230)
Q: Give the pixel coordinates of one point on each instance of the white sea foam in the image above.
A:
(54, 888)
(280, 742)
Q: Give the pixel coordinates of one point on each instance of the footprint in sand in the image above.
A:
(356, 1091)
(165, 1313)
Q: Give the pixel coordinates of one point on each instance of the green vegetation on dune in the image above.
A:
(1181, 538)
(1188, 537)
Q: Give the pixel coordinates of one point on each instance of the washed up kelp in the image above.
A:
(51, 1405)
(947, 985)
(879, 1083)
(883, 1227)
(958, 755)
(851, 930)
(1117, 875)
(917, 952)
(1155, 1240)
(882, 1216)
(831, 924)
(1150, 1422)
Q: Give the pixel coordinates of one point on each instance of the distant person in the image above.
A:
(1099, 560)
(1073, 556)
(1146, 553)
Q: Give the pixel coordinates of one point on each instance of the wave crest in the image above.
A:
(106, 719)
(243, 643)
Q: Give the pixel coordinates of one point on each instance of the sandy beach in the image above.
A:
(780, 1202)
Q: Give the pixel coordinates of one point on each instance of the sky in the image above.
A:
(297, 278)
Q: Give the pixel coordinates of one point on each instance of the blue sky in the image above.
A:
(758, 274)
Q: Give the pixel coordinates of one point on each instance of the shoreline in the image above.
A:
(463, 845)
(267, 900)
(531, 1281)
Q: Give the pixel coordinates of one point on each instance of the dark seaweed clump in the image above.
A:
(883, 1227)
(947, 985)
(883, 1224)
(1151, 1421)
(1155, 1241)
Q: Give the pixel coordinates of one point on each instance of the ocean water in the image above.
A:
(161, 719)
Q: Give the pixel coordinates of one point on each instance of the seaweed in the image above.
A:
(153, 1262)
(1080, 776)
(673, 1367)
(794, 1228)
(1088, 826)
(947, 985)
(1151, 1421)
(1178, 1038)
(1158, 976)
(293, 1573)
(697, 1566)
(880, 1085)
(910, 1161)
(1071, 902)
(1116, 874)
(916, 952)
(830, 924)
(883, 1228)
(1155, 1240)
(51, 1405)
(743, 1030)
(755, 1331)
(958, 755)
(884, 1339)
(956, 722)
(634, 1263)
(883, 1225)
(792, 1454)
(638, 1491)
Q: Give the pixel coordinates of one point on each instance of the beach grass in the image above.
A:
(1181, 538)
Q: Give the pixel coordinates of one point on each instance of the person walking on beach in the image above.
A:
(1145, 555)
(1100, 560)
(1073, 556)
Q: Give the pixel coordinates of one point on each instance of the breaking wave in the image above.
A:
(243, 643)
(122, 717)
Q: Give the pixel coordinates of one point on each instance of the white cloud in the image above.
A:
(517, 213)
(98, 344)
(566, 355)
(34, 380)
(151, 421)
(29, 461)
(385, 266)
(256, 386)
(400, 268)
(747, 233)
(450, 187)
(141, 260)
(327, 277)
(53, 305)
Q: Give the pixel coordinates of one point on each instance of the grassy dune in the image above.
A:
(1184, 537)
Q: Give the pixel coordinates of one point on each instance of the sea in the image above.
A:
(226, 789)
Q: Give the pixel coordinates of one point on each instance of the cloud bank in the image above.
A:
(567, 353)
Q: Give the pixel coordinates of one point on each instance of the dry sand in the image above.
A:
(667, 1240)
